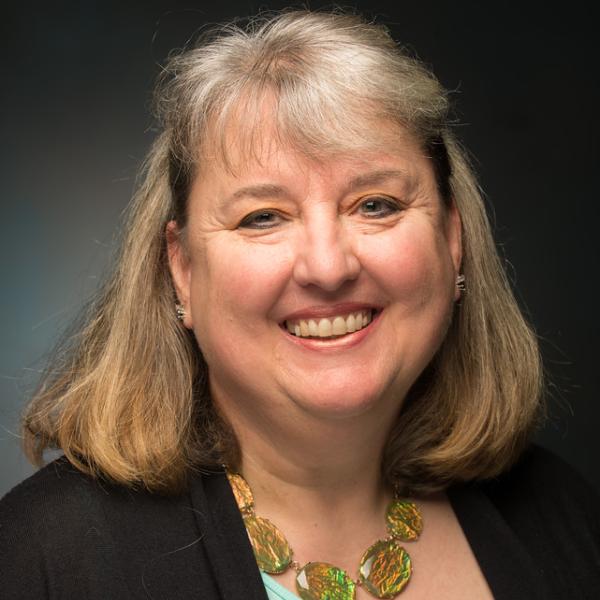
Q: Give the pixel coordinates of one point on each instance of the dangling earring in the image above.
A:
(179, 311)
(460, 282)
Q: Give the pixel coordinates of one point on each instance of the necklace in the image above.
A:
(384, 569)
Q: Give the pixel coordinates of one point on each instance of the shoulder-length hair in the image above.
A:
(126, 397)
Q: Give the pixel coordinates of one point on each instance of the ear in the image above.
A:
(179, 265)
(454, 238)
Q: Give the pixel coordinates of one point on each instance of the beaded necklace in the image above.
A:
(384, 570)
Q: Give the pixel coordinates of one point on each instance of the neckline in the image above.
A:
(272, 584)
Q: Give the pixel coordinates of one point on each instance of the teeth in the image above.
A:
(324, 328)
(350, 323)
(338, 327)
(358, 321)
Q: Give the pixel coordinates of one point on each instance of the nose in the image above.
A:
(325, 256)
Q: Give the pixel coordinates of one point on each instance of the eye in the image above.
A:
(378, 207)
(261, 219)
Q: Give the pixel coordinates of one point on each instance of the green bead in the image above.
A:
(385, 569)
(322, 581)
(404, 520)
(271, 550)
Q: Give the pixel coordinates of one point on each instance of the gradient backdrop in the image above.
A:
(76, 84)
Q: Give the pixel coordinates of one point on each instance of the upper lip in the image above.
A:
(323, 311)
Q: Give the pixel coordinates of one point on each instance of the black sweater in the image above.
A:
(535, 532)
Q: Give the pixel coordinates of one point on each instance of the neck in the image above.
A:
(324, 465)
(330, 475)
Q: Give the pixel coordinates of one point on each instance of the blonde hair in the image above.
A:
(127, 397)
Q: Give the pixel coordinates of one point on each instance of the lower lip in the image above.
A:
(328, 344)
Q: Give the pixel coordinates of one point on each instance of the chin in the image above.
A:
(339, 402)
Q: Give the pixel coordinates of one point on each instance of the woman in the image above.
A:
(308, 376)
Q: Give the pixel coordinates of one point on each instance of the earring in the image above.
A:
(460, 282)
(179, 311)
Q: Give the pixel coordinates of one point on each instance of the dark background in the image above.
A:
(76, 86)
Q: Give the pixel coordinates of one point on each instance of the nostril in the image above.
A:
(327, 265)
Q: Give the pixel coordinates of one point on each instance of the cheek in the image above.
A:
(235, 284)
(413, 266)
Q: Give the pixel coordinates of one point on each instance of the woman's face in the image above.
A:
(287, 256)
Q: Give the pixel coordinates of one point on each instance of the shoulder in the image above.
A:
(555, 515)
(59, 499)
(39, 518)
(541, 481)
(78, 536)
(59, 495)
(45, 499)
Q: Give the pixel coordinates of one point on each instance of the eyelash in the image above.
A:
(390, 206)
(247, 221)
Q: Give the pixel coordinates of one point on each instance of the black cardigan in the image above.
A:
(535, 532)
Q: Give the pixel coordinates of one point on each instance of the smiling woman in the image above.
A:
(308, 342)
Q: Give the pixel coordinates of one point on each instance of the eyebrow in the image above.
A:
(261, 190)
(376, 178)
(270, 190)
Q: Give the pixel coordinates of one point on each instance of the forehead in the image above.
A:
(262, 144)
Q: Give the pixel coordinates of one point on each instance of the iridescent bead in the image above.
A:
(242, 492)
(385, 569)
(322, 581)
(404, 520)
(271, 550)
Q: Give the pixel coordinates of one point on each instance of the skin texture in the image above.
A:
(284, 236)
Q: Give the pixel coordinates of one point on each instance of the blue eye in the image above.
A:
(378, 207)
(261, 219)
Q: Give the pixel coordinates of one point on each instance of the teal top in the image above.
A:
(275, 591)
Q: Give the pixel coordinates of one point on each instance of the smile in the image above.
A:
(330, 327)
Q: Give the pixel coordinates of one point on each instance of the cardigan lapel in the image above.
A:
(509, 569)
(225, 539)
